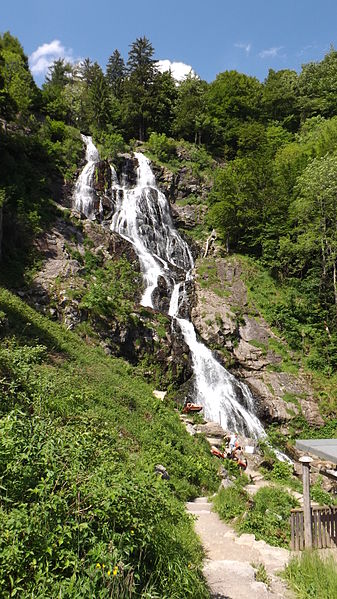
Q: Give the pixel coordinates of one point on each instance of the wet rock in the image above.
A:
(161, 295)
(211, 429)
(161, 471)
(126, 168)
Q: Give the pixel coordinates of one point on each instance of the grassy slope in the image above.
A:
(80, 435)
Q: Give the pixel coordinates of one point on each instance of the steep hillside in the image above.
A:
(83, 511)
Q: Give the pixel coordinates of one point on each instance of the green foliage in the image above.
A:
(110, 145)
(162, 147)
(82, 511)
(312, 575)
(231, 502)
(269, 516)
(261, 574)
(112, 289)
(63, 146)
(318, 494)
(281, 472)
(190, 120)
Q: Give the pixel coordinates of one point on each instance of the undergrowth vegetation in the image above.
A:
(312, 576)
(266, 515)
(82, 512)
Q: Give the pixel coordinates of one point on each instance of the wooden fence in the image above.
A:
(324, 528)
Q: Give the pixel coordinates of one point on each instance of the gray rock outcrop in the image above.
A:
(246, 345)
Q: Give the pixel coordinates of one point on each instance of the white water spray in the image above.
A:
(85, 199)
(142, 216)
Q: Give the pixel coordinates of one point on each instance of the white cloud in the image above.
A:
(179, 70)
(46, 54)
(246, 47)
(271, 52)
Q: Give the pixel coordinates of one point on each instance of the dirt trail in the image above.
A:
(228, 566)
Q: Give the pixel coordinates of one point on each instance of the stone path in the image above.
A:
(228, 566)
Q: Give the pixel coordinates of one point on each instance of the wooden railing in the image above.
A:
(324, 528)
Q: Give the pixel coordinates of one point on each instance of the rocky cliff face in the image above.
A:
(245, 343)
(145, 338)
(186, 192)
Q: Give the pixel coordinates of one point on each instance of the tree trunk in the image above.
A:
(141, 129)
(0, 232)
(335, 282)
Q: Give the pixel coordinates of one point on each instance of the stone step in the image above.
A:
(199, 508)
(233, 580)
(245, 539)
(257, 477)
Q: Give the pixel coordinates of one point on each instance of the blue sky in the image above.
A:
(211, 36)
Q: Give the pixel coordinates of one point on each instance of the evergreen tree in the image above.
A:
(98, 97)
(58, 73)
(115, 73)
(141, 72)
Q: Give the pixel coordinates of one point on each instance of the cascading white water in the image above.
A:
(218, 390)
(84, 194)
(142, 216)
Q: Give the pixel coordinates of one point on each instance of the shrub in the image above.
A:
(269, 516)
(231, 502)
(163, 147)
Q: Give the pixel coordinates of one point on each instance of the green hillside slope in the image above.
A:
(82, 511)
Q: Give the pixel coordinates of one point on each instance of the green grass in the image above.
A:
(80, 434)
(266, 515)
(312, 576)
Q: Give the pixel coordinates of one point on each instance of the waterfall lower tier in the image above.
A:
(142, 216)
(225, 400)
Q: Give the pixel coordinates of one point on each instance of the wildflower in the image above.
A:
(103, 566)
(98, 565)
(132, 532)
(189, 566)
(108, 572)
(114, 571)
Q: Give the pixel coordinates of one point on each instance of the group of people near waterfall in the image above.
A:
(232, 449)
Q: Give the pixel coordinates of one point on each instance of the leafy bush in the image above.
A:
(112, 288)
(110, 144)
(269, 516)
(63, 145)
(281, 472)
(231, 502)
(163, 147)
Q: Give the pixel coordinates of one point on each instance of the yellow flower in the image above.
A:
(115, 570)
(132, 532)
(103, 566)
(109, 572)
(98, 565)
(189, 566)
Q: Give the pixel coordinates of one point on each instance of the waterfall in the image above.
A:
(142, 216)
(85, 199)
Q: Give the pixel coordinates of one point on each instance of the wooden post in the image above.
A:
(305, 461)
